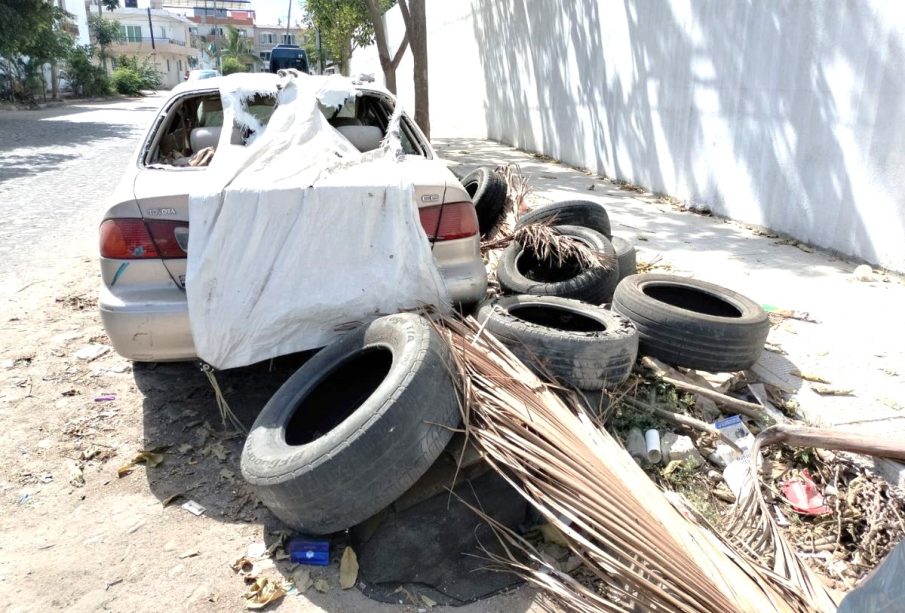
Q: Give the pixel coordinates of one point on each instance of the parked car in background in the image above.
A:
(288, 56)
(145, 230)
(197, 75)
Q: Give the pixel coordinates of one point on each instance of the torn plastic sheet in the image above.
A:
(298, 237)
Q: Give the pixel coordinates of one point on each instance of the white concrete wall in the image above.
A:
(789, 115)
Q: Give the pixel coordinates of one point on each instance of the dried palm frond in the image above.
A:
(639, 550)
(549, 244)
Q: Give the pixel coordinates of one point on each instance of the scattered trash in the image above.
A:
(76, 476)
(193, 507)
(256, 550)
(150, 458)
(789, 314)
(804, 496)
(92, 352)
(261, 593)
(105, 398)
(191, 553)
(736, 431)
(309, 551)
(652, 445)
(348, 569)
(723, 455)
(23, 498)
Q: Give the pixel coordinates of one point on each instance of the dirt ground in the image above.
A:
(77, 536)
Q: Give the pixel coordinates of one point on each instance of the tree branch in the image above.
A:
(400, 51)
(406, 16)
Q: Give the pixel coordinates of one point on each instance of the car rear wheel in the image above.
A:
(354, 427)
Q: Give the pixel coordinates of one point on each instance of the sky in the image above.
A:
(268, 11)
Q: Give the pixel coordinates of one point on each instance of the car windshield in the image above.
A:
(192, 129)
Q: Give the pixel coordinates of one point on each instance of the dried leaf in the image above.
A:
(215, 449)
(322, 586)
(166, 501)
(826, 390)
(429, 603)
(808, 376)
(227, 475)
(245, 566)
(348, 569)
(261, 593)
(147, 457)
(185, 448)
(552, 534)
(301, 579)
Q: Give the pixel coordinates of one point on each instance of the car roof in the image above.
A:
(264, 80)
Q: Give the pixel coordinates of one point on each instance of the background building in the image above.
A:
(268, 37)
(160, 35)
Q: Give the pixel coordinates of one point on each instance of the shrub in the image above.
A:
(229, 65)
(127, 81)
(85, 78)
(147, 71)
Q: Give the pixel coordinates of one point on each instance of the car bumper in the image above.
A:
(148, 325)
(152, 324)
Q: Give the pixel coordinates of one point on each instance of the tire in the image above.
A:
(625, 253)
(570, 213)
(581, 345)
(488, 192)
(691, 323)
(391, 405)
(519, 272)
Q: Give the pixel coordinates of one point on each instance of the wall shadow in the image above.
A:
(739, 106)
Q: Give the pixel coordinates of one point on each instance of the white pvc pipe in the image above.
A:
(652, 440)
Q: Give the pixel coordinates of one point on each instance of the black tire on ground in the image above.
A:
(625, 253)
(570, 213)
(354, 427)
(519, 271)
(691, 323)
(581, 345)
(488, 192)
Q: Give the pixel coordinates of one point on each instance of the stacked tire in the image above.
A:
(580, 345)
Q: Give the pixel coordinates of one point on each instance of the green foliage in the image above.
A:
(105, 32)
(86, 78)
(229, 65)
(237, 47)
(110, 5)
(146, 69)
(131, 76)
(31, 35)
(126, 81)
(344, 25)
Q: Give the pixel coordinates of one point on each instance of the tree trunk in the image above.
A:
(387, 64)
(417, 33)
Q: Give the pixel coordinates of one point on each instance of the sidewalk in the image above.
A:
(859, 342)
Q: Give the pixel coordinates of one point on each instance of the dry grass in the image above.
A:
(549, 244)
(638, 551)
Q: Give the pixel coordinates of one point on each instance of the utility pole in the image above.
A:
(151, 28)
(288, 21)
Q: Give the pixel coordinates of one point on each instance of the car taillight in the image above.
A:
(446, 222)
(135, 239)
(166, 236)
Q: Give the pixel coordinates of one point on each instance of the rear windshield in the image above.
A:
(192, 130)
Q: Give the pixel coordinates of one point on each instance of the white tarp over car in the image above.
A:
(299, 237)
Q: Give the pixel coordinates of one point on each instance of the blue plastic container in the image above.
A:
(309, 551)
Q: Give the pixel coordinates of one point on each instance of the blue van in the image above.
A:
(288, 56)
